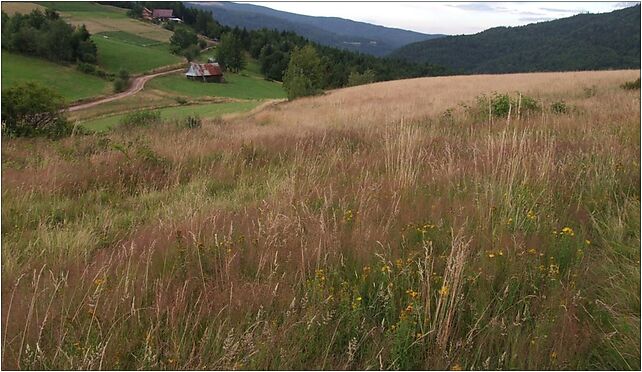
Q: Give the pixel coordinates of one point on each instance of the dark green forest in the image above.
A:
(582, 42)
(46, 35)
(272, 48)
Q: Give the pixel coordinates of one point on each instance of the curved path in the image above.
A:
(136, 86)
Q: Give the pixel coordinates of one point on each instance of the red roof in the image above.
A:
(204, 69)
(163, 13)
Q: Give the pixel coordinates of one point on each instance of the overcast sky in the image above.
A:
(443, 17)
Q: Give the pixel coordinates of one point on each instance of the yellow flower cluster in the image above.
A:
(531, 215)
(366, 271)
(443, 292)
(567, 231)
(320, 275)
(348, 215)
(412, 293)
(386, 269)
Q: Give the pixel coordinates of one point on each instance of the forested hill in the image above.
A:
(581, 42)
(331, 31)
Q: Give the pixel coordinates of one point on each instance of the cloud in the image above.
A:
(625, 4)
(479, 7)
(555, 10)
(536, 19)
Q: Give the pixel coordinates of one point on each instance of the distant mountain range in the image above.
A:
(331, 31)
(581, 42)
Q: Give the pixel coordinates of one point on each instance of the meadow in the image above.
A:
(66, 80)
(397, 225)
(105, 18)
(244, 85)
(176, 113)
(136, 54)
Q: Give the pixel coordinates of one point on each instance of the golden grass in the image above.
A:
(384, 226)
(13, 7)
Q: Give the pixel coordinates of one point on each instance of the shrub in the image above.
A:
(559, 107)
(30, 110)
(631, 85)
(356, 78)
(120, 85)
(192, 122)
(502, 103)
(181, 100)
(141, 119)
(86, 68)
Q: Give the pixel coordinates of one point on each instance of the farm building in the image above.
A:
(159, 14)
(206, 72)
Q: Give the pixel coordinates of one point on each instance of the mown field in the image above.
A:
(66, 80)
(136, 54)
(245, 85)
(397, 225)
(175, 113)
(104, 18)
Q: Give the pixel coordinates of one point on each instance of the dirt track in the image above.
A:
(137, 85)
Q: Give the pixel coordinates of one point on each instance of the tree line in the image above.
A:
(45, 35)
(273, 49)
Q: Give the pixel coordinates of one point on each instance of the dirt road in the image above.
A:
(136, 86)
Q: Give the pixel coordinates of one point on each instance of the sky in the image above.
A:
(452, 18)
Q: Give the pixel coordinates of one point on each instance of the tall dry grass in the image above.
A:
(382, 226)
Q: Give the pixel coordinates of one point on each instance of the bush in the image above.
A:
(192, 122)
(141, 119)
(181, 100)
(86, 68)
(356, 78)
(631, 85)
(502, 104)
(30, 110)
(120, 85)
(559, 107)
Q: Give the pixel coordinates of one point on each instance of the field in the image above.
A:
(70, 83)
(170, 113)
(121, 50)
(397, 225)
(105, 18)
(12, 8)
(245, 85)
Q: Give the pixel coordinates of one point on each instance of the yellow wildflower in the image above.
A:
(456, 367)
(553, 270)
(568, 231)
(531, 215)
(509, 221)
(366, 270)
(385, 269)
(412, 293)
(443, 292)
(399, 263)
(99, 282)
(532, 251)
(491, 255)
(347, 215)
(588, 242)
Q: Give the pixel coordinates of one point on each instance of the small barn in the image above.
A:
(162, 14)
(205, 72)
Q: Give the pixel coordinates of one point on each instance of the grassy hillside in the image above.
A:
(13, 7)
(67, 81)
(104, 18)
(171, 113)
(581, 42)
(246, 85)
(388, 226)
(122, 50)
